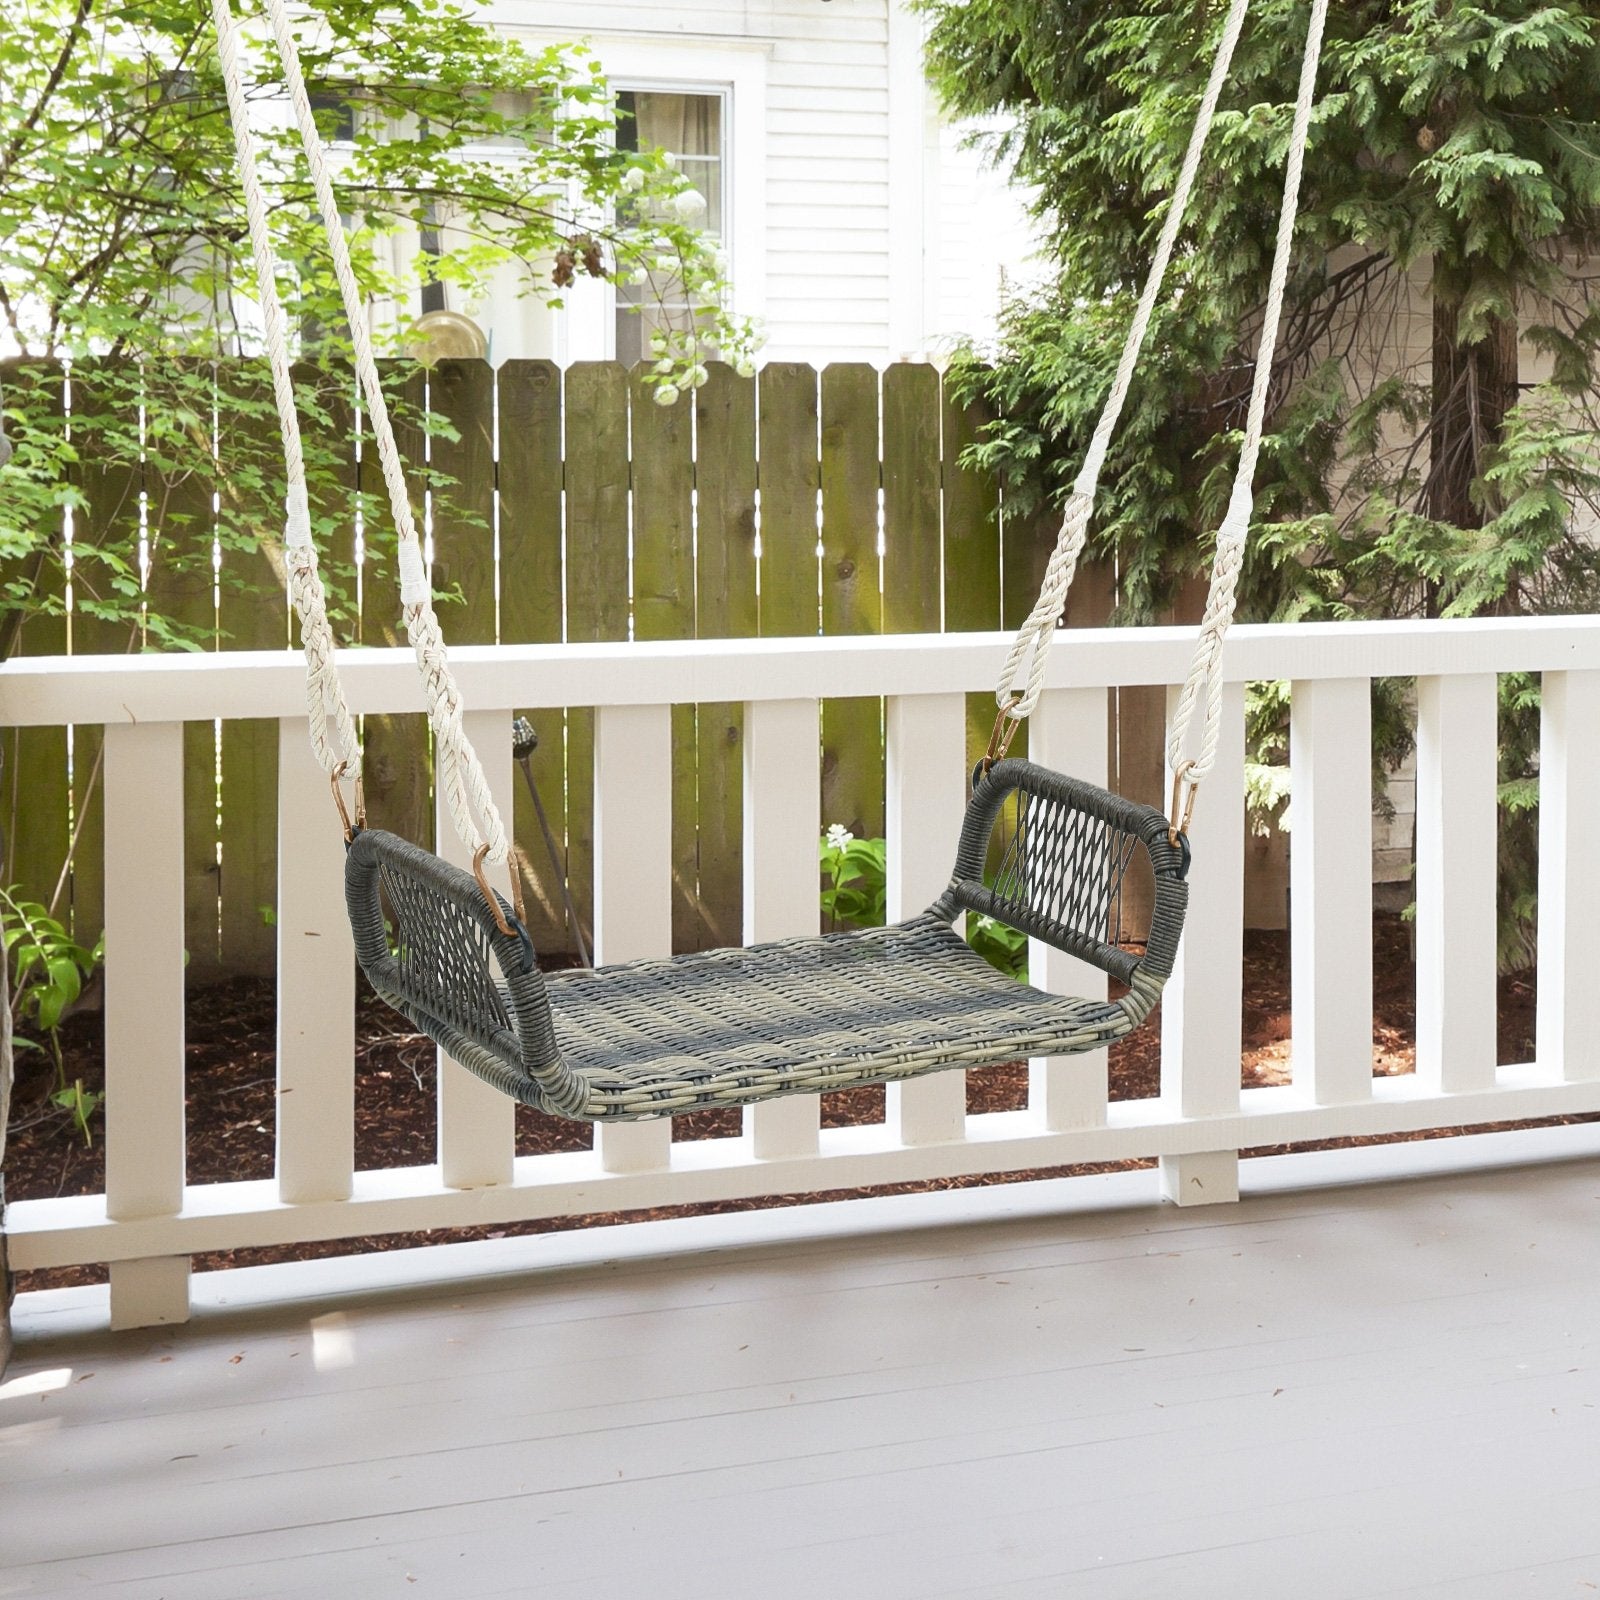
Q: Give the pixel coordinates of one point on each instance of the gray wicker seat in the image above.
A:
(797, 1016)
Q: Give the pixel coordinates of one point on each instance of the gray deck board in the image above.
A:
(1389, 1389)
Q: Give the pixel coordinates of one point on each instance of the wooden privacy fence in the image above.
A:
(562, 505)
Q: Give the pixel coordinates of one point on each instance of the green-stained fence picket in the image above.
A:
(561, 506)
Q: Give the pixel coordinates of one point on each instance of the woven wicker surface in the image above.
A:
(805, 1015)
(798, 1016)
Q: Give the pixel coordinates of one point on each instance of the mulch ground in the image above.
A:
(231, 1095)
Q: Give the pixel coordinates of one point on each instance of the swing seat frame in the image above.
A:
(794, 1016)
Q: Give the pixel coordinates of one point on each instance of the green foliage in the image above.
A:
(854, 880)
(1454, 164)
(123, 241)
(48, 969)
(1003, 947)
(855, 892)
(81, 1104)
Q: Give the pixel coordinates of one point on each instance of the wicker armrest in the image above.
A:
(1063, 868)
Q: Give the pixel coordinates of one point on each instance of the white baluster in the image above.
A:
(315, 1111)
(1067, 732)
(1330, 882)
(927, 790)
(633, 882)
(782, 823)
(1568, 1016)
(144, 1007)
(1201, 1014)
(477, 1123)
(1457, 1021)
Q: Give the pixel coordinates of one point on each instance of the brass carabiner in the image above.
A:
(350, 831)
(1178, 822)
(1000, 741)
(491, 899)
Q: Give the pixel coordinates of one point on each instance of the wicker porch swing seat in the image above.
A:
(797, 1016)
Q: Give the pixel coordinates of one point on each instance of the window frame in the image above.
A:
(723, 94)
(738, 70)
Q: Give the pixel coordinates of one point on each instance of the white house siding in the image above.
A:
(820, 278)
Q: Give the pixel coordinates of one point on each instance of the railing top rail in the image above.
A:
(49, 691)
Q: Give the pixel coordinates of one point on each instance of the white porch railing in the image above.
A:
(148, 1222)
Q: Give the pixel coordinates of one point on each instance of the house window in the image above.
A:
(690, 126)
(336, 116)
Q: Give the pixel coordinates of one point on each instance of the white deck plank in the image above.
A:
(1300, 1395)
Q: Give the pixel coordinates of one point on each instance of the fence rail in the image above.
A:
(149, 1221)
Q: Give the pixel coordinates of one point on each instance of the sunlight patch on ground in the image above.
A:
(45, 1382)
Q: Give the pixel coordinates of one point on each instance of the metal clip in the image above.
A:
(1178, 822)
(490, 898)
(350, 831)
(1000, 741)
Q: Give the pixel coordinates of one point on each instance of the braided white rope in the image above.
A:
(461, 775)
(1031, 647)
(324, 696)
(1205, 672)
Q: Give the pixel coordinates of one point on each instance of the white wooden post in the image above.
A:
(1330, 886)
(477, 1123)
(315, 1112)
(144, 1007)
(927, 789)
(1568, 1008)
(1457, 737)
(633, 882)
(1201, 1011)
(1068, 732)
(782, 823)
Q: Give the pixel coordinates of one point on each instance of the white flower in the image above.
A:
(839, 836)
(689, 204)
(633, 179)
(666, 395)
(745, 367)
(697, 376)
(638, 275)
(663, 366)
(666, 263)
(668, 160)
(658, 344)
(719, 260)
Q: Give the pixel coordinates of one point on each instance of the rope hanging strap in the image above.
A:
(1022, 677)
(1205, 671)
(461, 775)
(333, 734)
(1017, 696)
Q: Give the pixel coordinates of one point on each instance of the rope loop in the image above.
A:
(1204, 683)
(1034, 638)
(462, 778)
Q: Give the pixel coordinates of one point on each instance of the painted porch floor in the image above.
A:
(1388, 1386)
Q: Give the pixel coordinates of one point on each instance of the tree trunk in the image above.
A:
(1474, 386)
